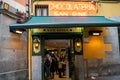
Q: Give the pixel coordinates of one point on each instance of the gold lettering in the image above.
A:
(76, 7)
(92, 7)
(69, 6)
(58, 30)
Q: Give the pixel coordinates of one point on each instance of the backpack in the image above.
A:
(47, 63)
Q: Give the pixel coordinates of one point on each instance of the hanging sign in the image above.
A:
(59, 30)
(6, 6)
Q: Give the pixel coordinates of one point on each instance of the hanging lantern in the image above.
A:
(78, 45)
(36, 44)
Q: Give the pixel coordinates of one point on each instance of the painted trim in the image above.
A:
(29, 55)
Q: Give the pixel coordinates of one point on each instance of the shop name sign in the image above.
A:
(72, 8)
(57, 30)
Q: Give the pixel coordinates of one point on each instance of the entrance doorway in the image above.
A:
(66, 49)
(58, 52)
(66, 52)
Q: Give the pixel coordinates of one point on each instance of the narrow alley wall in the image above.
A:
(13, 52)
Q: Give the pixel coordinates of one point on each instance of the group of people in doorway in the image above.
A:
(54, 64)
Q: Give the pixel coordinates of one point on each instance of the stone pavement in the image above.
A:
(117, 77)
(105, 78)
(98, 78)
(109, 78)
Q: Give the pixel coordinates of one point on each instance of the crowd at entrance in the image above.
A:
(54, 64)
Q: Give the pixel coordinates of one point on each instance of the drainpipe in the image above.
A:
(29, 44)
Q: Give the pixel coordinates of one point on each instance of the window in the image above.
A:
(41, 10)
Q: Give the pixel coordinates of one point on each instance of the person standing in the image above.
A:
(47, 64)
(64, 67)
(60, 68)
(52, 67)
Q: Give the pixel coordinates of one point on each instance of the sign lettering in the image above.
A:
(57, 30)
(72, 8)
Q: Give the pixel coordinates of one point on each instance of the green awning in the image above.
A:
(65, 22)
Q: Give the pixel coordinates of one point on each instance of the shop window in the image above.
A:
(41, 10)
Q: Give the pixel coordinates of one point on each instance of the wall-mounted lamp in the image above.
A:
(18, 31)
(78, 45)
(36, 44)
(18, 21)
(95, 32)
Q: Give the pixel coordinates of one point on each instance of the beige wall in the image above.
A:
(108, 9)
(104, 9)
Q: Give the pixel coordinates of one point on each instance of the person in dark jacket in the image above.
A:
(60, 68)
(47, 64)
(52, 68)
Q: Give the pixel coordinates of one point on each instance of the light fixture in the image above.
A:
(18, 31)
(36, 44)
(15, 30)
(95, 32)
(78, 45)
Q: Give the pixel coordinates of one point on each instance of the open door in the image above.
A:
(57, 49)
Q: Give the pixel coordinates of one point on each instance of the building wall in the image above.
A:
(103, 9)
(17, 5)
(101, 53)
(108, 9)
(22, 2)
(13, 47)
(13, 52)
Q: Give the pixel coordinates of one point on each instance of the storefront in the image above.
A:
(53, 28)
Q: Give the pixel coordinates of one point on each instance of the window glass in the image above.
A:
(41, 10)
